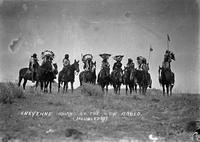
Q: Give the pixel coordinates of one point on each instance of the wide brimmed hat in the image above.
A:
(118, 57)
(104, 55)
(87, 56)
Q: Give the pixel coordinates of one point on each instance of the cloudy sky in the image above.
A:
(125, 27)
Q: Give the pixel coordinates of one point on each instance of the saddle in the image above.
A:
(106, 71)
(116, 72)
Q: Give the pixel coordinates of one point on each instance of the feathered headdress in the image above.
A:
(87, 56)
(48, 53)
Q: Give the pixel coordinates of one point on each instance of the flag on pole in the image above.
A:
(168, 38)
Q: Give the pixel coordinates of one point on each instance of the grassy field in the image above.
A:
(89, 115)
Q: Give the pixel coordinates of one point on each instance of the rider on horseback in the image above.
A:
(130, 64)
(144, 66)
(118, 65)
(66, 62)
(168, 57)
(105, 65)
(87, 60)
(47, 57)
(33, 65)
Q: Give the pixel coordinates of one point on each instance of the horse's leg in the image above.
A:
(140, 90)
(72, 87)
(66, 86)
(131, 88)
(41, 85)
(167, 86)
(171, 86)
(45, 86)
(36, 85)
(24, 84)
(145, 90)
(135, 88)
(126, 89)
(119, 89)
(50, 85)
(114, 88)
(106, 89)
(102, 87)
(163, 89)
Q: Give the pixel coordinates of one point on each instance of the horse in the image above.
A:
(46, 75)
(104, 78)
(26, 74)
(88, 76)
(116, 80)
(166, 79)
(67, 75)
(129, 80)
(143, 79)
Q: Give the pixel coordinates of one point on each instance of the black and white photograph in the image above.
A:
(99, 71)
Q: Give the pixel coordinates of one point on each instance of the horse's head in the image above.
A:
(55, 66)
(76, 66)
(172, 56)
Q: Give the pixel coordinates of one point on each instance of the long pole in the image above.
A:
(150, 49)
(168, 40)
(167, 44)
(149, 56)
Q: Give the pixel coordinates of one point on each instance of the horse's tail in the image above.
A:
(19, 77)
(21, 74)
(160, 78)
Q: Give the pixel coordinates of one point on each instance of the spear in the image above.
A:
(168, 40)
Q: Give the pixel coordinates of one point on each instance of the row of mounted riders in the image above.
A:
(130, 76)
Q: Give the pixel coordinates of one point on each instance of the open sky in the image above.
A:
(125, 27)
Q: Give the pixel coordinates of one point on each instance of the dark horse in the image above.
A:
(116, 80)
(88, 76)
(26, 74)
(104, 78)
(129, 79)
(68, 75)
(46, 75)
(43, 75)
(166, 79)
(143, 80)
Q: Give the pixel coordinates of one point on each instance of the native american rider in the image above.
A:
(105, 64)
(117, 67)
(66, 62)
(33, 66)
(168, 57)
(144, 66)
(47, 57)
(87, 60)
